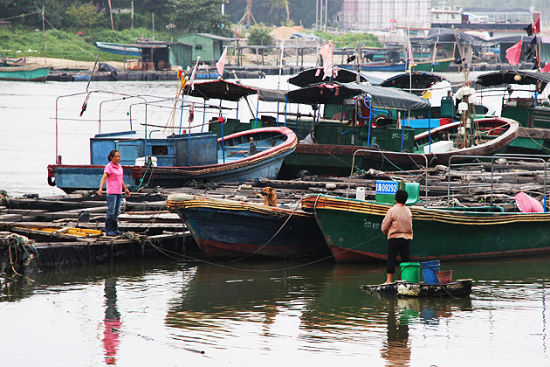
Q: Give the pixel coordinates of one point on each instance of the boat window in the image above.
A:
(159, 150)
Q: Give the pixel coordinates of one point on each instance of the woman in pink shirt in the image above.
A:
(397, 226)
(113, 176)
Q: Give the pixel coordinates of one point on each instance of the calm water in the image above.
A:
(175, 312)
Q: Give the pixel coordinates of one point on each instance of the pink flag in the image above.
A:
(411, 59)
(546, 68)
(514, 52)
(326, 54)
(221, 63)
(192, 79)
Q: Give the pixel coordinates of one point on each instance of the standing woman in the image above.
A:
(113, 175)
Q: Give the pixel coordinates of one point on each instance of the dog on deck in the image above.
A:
(270, 198)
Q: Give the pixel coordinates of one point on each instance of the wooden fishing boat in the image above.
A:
(233, 229)
(351, 228)
(119, 49)
(436, 65)
(181, 159)
(522, 98)
(377, 66)
(383, 144)
(458, 288)
(28, 73)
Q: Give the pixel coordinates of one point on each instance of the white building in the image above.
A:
(386, 15)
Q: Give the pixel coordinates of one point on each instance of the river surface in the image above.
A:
(174, 312)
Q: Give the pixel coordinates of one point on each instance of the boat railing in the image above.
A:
(513, 157)
(393, 153)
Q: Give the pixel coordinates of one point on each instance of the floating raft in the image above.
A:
(458, 288)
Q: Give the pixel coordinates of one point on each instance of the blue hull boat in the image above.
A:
(176, 160)
(118, 49)
(233, 229)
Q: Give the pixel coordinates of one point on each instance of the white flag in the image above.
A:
(326, 54)
(221, 62)
(192, 79)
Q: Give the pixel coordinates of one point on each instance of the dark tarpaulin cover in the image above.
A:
(307, 77)
(502, 78)
(391, 98)
(272, 95)
(220, 89)
(322, 93)
(414, 80)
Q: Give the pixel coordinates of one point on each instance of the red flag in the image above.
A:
(514, 52)
(536, 27)
(221, 63)
(546, 68)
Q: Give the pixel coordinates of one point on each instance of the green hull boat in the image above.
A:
(351, 228)
(25, 73)
(437, 65)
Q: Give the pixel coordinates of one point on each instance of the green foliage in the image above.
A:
(86, 15)
(259, 35)
(68, 45)
(197, 16)
(350, 39)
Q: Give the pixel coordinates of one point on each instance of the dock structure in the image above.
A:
(39, 233)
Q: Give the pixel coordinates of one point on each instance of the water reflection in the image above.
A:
(111, 323)
(239, 312)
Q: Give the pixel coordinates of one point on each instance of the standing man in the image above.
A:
(397, 226)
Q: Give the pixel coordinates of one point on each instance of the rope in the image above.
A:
(272, 237)
(18, 254)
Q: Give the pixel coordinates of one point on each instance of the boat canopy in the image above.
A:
(504, 78)
(272, 95)
(323, 93)
(309, 77)
(390, 98)
(220, 89)
(418, 80)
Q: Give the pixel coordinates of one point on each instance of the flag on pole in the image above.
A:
(411, 59)
(220, 65)
(326, 53)
(192, 79)
(513, 53)
(536, 27)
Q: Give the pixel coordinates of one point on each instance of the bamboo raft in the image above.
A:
(459, 288)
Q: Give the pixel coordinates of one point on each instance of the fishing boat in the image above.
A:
(119, 49)
(435, 65)
(28, 73)
(351, 228)
(179, 159)
(375, 133)
(233, 229)
(523, 97)
(377, 66)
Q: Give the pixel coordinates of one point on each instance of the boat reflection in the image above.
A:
(233, 291)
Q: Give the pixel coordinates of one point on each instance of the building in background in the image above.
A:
(385, 15)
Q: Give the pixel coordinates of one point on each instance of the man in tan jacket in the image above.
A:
(397, 226)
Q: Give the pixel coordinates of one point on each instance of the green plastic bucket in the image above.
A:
(410, 272)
